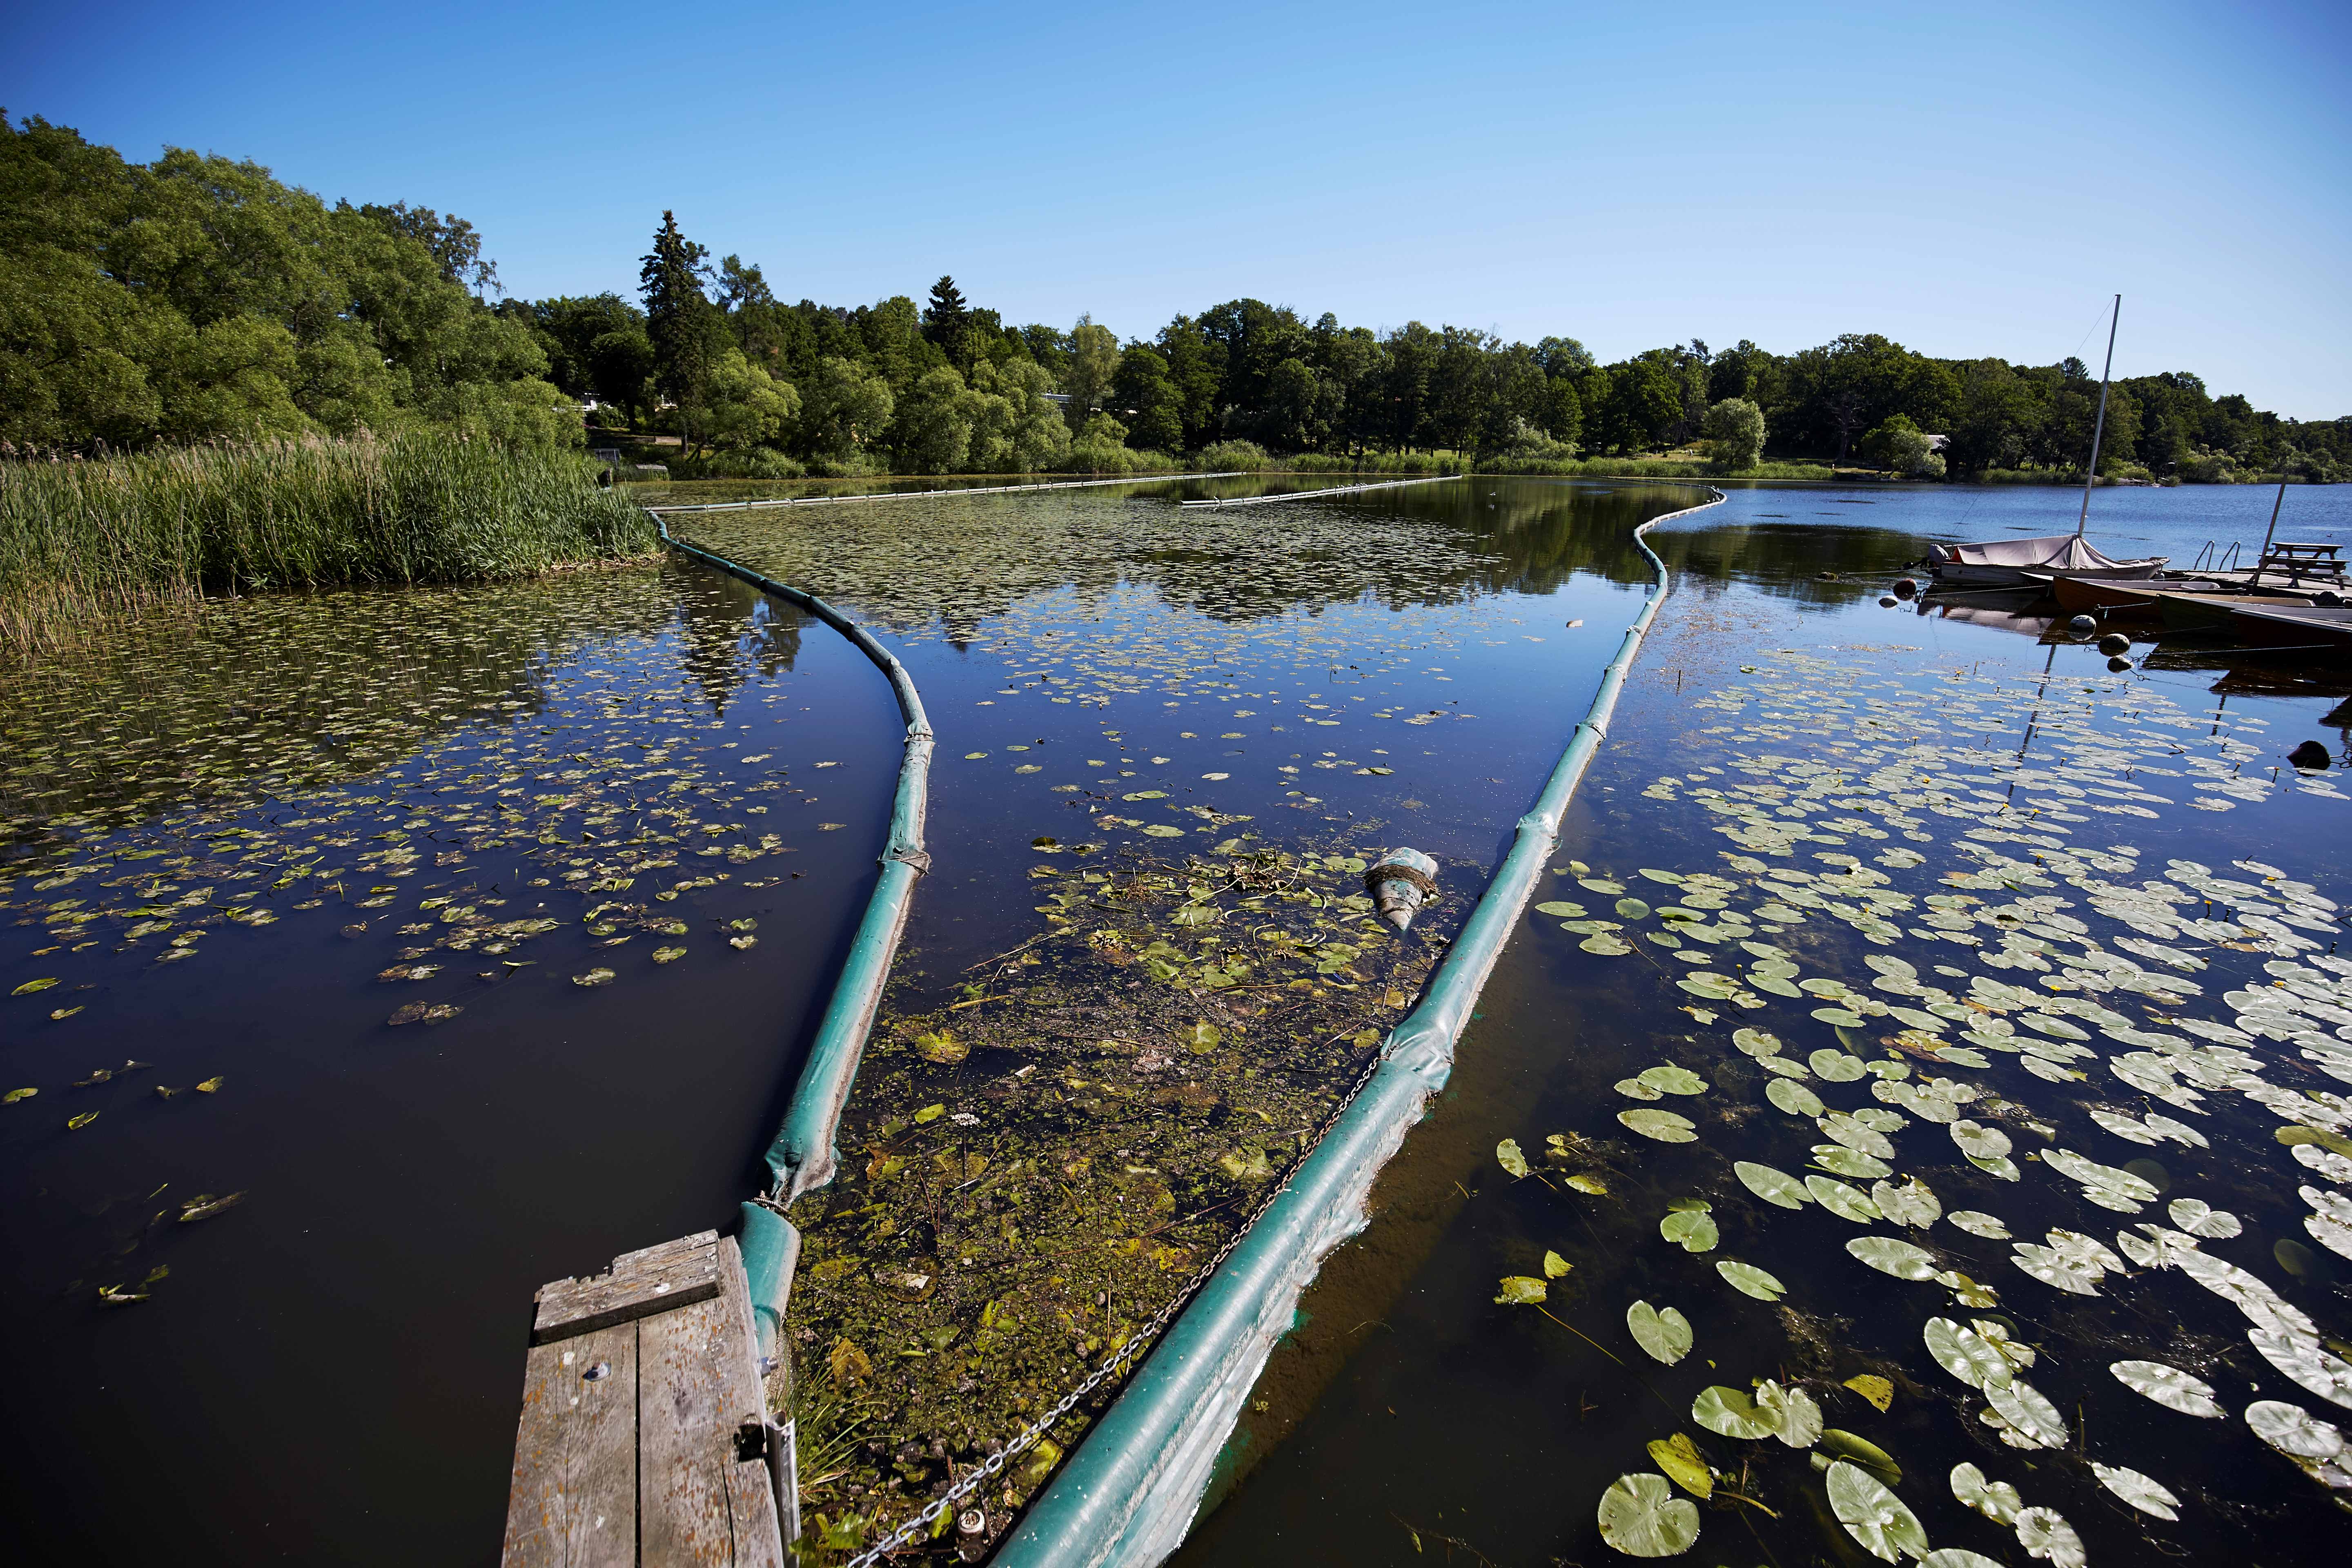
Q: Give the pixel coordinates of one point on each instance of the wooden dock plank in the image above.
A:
(684, 1441)
(644, 1437)
(751, 1480)
(572, 1502)
(653, 1280)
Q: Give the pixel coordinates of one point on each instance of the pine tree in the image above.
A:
(678, 315)
(947, 321)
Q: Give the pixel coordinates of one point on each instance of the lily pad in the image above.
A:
(1508, 1155)
(1521, 1290)
(1976, 1222)
(1773, 1186)
(1890, 1256)
(1672, 1079)
(1663, 1334)
(2143, 1492)
(1842, 1201)
(1857, 1134)
(1756, 1042)
(1848, 1162)
(2025, 1409)
(1874, 1515)
(1796, 1418)
(2295, 1431)
(1679, 1457)
(2044, 1532)
(1663, 1125)
(1793, 1097)
(1693, 1230)
(2200, 1218)
(1996, 1500)
(1750, 1281)
(1635, 1089)
(1836, 1066)
(1732, 1413)
(1555, 1265)
(1640, 1517)
(1966, 1355)
(1979, 1141)
(1843, 1444)
(1913, 1204)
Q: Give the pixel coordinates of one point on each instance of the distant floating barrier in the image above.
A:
(934, 495)
(1313, 495)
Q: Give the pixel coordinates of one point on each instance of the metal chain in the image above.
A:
(1028, 1436)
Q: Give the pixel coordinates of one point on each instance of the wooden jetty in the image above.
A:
(646, 1440)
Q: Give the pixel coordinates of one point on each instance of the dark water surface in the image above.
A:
(1411, 1415)
(329, 1369)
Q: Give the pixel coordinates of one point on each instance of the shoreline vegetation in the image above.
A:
(81, 542)
(212, 382)
(196, 299)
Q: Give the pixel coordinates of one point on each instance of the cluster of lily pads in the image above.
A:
(448, 775)
(1902, 883)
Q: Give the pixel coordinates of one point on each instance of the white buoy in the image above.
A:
(1400, 882)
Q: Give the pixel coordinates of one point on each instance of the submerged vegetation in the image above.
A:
(86, 538)
(1034, 1172)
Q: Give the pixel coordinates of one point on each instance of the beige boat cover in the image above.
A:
(2051, 552)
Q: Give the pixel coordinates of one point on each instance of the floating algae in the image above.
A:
(1032, 1173)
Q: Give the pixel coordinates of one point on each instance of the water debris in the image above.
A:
(1057, 1157)
(1401, 880)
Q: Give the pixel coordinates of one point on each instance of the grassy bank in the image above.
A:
(81, 541)
(1243, 454)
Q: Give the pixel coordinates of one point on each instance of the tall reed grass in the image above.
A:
(83, 541)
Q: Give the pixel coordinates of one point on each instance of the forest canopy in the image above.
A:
(195, 298)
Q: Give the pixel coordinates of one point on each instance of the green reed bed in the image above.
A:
(79, 541)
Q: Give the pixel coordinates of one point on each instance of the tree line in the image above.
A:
(197, 297)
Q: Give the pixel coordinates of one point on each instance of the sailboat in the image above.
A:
(2035, 563)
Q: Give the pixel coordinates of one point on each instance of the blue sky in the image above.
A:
(1967, 180)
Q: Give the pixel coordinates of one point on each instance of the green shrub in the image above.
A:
(1231, 456)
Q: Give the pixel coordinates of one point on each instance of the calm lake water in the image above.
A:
(345, 808)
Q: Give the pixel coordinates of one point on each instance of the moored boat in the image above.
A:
(2025, 562)
(2103, 594)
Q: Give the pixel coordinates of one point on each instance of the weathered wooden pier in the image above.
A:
(645, 1437)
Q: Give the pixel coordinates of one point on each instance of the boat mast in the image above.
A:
(2100, 428)
(2269, 535)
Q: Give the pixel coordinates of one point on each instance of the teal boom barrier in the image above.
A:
(1129, 1494)
(802, 1155)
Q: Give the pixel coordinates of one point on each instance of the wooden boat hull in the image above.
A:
(2214, 612)
(2114, 596)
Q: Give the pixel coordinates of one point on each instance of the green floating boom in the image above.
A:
(1128, 1496)
(802, 1156)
